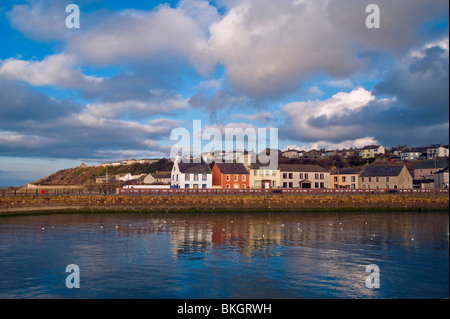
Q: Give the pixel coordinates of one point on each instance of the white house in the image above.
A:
(191, 175)
(437, 150)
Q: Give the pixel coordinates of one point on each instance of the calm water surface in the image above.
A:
(277, 255)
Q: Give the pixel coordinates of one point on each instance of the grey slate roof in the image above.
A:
(350, 170)
(302, 168)
(381, 170)
(427, 164)
(232, 168)
(194, 168)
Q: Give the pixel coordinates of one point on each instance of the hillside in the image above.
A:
(83, 174)
(86, 174)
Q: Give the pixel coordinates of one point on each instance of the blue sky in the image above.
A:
(116, 87)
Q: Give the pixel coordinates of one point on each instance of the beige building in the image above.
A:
(371, 151)
(304, 176)
(385, 177)
(158, 178)
(441, 178)
(262, 177)
(346, 178)
(427, 168)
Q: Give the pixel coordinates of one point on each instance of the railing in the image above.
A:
(283, 191)
(217, 191)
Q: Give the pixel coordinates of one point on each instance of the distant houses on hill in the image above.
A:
(393, 169)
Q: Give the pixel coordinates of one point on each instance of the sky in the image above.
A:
(133, 71)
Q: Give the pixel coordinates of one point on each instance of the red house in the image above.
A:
(230, 175)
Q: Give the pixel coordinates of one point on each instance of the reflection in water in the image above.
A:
(266, 255)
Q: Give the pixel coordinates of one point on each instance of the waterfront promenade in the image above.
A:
(10, 205)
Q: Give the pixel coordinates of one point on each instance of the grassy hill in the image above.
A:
(86, 174)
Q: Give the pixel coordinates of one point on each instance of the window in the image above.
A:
(322, 185)
(236, 185)
(316, 176)
(378, 179)
(187, 177)
(322, 176)
(353, 186)
(343, 178)
(204, 178)
(290, 176)
(195, 186)
(254, 173)
(244, 178)
(243, 186)
(301, 176)
(335, 179)
(353, 179)
(284, 185)
(177, 177)
(370, 179)
(195, 177)
(284, 175)
(387, 179)
(186, 185)
(306, 175)
(228, 178)
(362, 179)
(228, 186)
(236, 178)
(203, 185)
(291, 185)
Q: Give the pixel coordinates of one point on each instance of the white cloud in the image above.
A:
(315, 90)
(357, 143)
(134, 35)
(136, 109)
(342, 83)
(56, 69)
(263, 117)
(267, 46)
(301, 114)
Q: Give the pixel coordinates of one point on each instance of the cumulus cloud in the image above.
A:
(303, 117)
(263, 117)
(56, 69)
(409, 105)
(133, 35)
(268, 46)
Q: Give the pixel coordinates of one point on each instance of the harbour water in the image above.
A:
(223, 256)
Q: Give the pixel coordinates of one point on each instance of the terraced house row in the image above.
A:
(240, 176)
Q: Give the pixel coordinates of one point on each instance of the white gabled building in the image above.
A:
(191, 175)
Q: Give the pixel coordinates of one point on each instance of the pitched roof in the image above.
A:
(161, 174)
(445, 170)
(301, 168)
(381, 170)
(194, 168)
(427, 164)
(370, 147)
(350, 170)
(232, 168)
